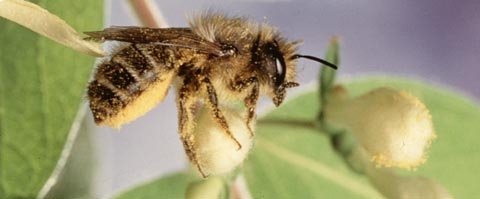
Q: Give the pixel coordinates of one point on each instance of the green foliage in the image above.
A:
(291, 160)
(171, 186)
(41, 88)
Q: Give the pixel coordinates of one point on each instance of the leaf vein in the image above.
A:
(319, 169)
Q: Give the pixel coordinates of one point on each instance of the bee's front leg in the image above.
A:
(217, 113)
(186, 104)
(251, 100)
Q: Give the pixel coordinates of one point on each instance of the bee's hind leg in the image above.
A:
(217, 113)
(186, 104)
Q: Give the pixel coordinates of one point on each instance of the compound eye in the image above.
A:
(279, 65)
(274, 63)
(280, 75)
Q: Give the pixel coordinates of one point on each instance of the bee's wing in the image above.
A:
(181, 37)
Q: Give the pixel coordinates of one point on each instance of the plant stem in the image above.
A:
(288, 122)
(148, 13)
(239, 188)
(235, 192)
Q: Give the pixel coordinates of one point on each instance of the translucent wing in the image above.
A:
(179, 37)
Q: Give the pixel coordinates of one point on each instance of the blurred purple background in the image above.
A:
(433, 40)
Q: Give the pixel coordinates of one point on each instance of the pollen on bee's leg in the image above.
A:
(239, 146)
(200, 170)
(252, 133)
(226, 130)
(251, 102)
(216, 152)
(192, 156)
(249, 121)
(232, 138)
(218, 115)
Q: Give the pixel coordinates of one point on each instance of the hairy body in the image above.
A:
(216, 61)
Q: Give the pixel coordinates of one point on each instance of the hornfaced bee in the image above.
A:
(216, 61)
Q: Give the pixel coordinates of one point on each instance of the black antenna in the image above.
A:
(326, 63)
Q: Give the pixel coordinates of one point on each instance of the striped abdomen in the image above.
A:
(132, 82)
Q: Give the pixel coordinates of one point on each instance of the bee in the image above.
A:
(218, 60)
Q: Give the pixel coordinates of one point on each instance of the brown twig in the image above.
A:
(235, 192)
(289, 122)
(239, 188)
(148, 13)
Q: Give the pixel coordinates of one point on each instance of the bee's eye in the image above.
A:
(279, 67)
(280, 72)
(273, 64)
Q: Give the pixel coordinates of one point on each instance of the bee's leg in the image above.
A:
(251, 100)
(251, 103)
(186, 105)
(217, 113)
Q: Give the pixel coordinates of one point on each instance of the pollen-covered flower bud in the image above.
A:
(393, 126)
(217, 153)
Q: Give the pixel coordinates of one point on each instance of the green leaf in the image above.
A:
(171, 187)
(41, 89)
(290, 160)
(75, 178)
(327, 74)
(293, 160)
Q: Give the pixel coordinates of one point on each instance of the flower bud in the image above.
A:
(395, 186)
(408, 187)
(217, 153)
(394, 127)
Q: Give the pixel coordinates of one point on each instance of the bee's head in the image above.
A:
(276, 61)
